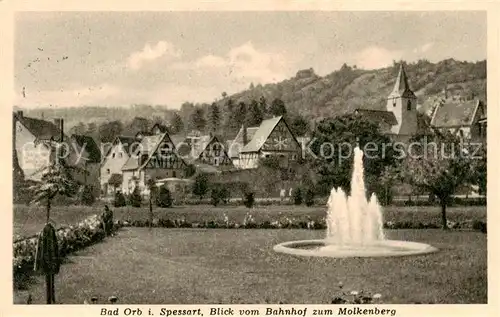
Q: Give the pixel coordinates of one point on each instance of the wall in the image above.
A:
(114, 165)
(32, 158)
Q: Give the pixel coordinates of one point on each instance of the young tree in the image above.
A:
(56, 180)
(439, 168)
(277, 108)
(263, 106)
(214, 118)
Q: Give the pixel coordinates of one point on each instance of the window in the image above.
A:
(294, 157)
(394, 102)
(113, 155)
(216, 161)
(267, 155)
(408, 107)
(174, 174)
(108, 171)
(121, 155)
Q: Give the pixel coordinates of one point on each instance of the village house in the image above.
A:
(114, 159)
(154, 158)
(466, 119)
(34, 143)
(272, 138)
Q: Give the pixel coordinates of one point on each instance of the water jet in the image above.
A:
(354, 226)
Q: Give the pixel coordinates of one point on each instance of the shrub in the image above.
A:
(87, 196)
(164, 198)
(309, 197)
(297, 196)
(135, 198)
(215, 196)
(224, 194)
(119, 200)
(479, 226)
(200, 186)
(249, 199)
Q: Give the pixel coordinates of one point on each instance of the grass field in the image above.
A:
(30, 220)
(178, 266)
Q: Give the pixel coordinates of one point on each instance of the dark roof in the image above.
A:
(455, 114)
(147, 146)
(88, 144)
(237, 144)
(127, 141)
(41, 129)
(401, 87)
(378, 116)
(115, 179)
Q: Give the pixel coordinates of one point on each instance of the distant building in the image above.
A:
(272, 138)
(466, 119)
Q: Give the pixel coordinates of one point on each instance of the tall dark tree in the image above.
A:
(253, 116)
(138, 124)
(176, 123)
(229, 109)
(108, 131)
(240, 114)
(263, 106)
(299, 125)
(214, 117)
(197, 119)
(277, 108)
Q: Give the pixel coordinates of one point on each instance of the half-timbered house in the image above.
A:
(154, 158)
(272, 138)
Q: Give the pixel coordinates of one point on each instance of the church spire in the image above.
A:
(401, 87)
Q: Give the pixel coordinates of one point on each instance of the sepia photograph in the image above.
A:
(249, 157)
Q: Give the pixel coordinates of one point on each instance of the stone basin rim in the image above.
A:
(391, 248)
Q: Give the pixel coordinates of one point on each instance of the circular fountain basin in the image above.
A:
(382, 248)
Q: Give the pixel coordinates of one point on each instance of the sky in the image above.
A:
(70, 59)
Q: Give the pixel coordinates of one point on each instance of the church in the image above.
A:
(400, 119)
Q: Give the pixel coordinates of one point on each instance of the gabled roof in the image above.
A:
(401, 87)
(89, 145)
(237, 145)
(262, 134)
(147, 146)
(41, 129)
(455, 114)
(125, 141)
(378, 116)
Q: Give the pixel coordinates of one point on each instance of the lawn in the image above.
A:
(187, 266)
(30, 220)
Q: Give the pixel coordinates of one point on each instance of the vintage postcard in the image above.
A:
(250, 158)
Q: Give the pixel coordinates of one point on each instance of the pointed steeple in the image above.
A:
(401, 87)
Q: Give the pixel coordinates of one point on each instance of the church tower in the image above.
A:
(403, 103)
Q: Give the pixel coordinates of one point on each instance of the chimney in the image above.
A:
(59, 122)
(20, 114)
(245, 136)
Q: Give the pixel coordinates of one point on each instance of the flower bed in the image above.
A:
(70, 239)
(285, 222)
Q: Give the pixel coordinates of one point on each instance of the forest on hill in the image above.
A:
(303, 99)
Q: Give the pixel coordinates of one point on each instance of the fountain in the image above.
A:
(354, 226)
